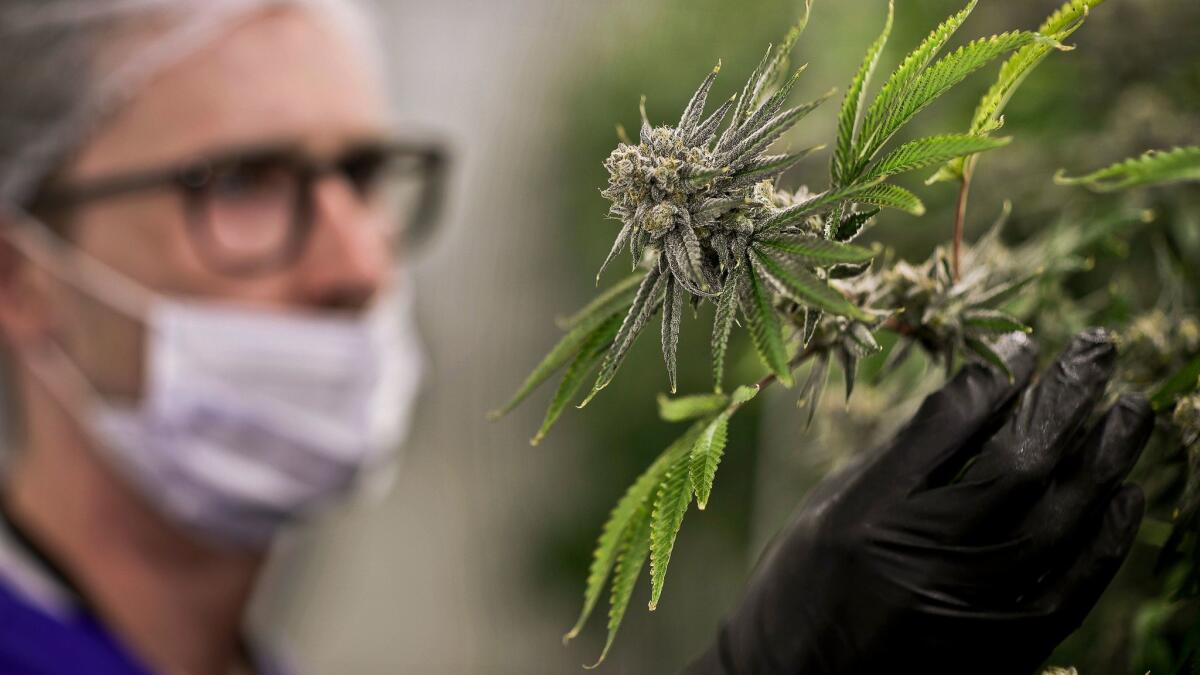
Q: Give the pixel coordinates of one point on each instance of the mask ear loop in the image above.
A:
(47, 249)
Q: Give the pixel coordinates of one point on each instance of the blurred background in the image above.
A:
(474, 561)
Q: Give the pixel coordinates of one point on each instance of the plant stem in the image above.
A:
(811, 351)
(959, 217)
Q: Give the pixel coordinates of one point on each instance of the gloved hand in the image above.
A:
(973, 542)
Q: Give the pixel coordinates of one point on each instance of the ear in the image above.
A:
(25, 298)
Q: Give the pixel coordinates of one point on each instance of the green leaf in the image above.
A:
(617, 247)
(794, 214)
(805, 288)
(1155, 167)
(672, 310)
(932, 150)
(708, 128)
(849, 370)
(710, 445)
(706, 456)
(892, 197)
(645, 304)
(771, 70)
(589, 355)
(623, 514)
(689, 407)
(616, 298)
(762, 137)
(771, 165)
(815, 251)
(853, 224)
(843, 156)
(1001, 293)
(694, 110)
(814, 388)
(633, 550)
(723, 325)
(1182, 382)
(763, 322)
(744, 106)
(681, 249)
(584, 325)
(938, 79)
(993, 321)
(674, 493)
(903, 78)
(987, 116)
(989, 355)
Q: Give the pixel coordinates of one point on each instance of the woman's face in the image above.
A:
(282, 78)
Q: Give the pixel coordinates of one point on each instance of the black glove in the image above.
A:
(973, 542)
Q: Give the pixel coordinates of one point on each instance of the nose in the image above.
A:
(347, 260)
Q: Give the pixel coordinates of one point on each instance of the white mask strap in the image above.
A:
(44, 247)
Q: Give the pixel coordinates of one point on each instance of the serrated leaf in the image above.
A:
(769, 166)
(743, 106)
(672, 311)
(607, 547)
(723, 325)
(938, 78)
(684, 257)
(683, 408)
(758, 140)
(932, 150)
(613, 299)
(617, 247)
(763, 322)
(988, 113)
(771, 106)
(814, 388)
(862, 342)
(708, 128)
(564, 351)
(993, 321)
(952, 69)
(770, 69)
(633, 551)
(674, 494)
(812, 319)
(854, 224)
(848, 120)
(902, 79)
(645, 304)
(816, 203)
(589, 355)
(694, 110)
(989, 355)
(892, 197)
(706, 457)
(849, 370)
(1154, 167)
(815, 251)
(804, 287)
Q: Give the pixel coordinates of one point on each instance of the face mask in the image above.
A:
(250, 419)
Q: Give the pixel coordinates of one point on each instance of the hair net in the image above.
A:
(67, 64)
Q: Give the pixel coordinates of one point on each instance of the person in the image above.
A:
(203, 215)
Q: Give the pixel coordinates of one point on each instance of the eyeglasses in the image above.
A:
(251, 212)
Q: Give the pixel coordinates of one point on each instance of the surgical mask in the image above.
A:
(249, 419)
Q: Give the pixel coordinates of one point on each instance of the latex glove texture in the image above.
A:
(973, 542)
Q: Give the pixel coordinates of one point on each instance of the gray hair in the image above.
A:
(65, 65)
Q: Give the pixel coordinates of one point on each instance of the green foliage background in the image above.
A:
(1133, 83)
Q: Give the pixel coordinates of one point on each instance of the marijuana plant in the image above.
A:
(706, 218)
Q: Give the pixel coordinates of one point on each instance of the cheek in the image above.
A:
(144, 238)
